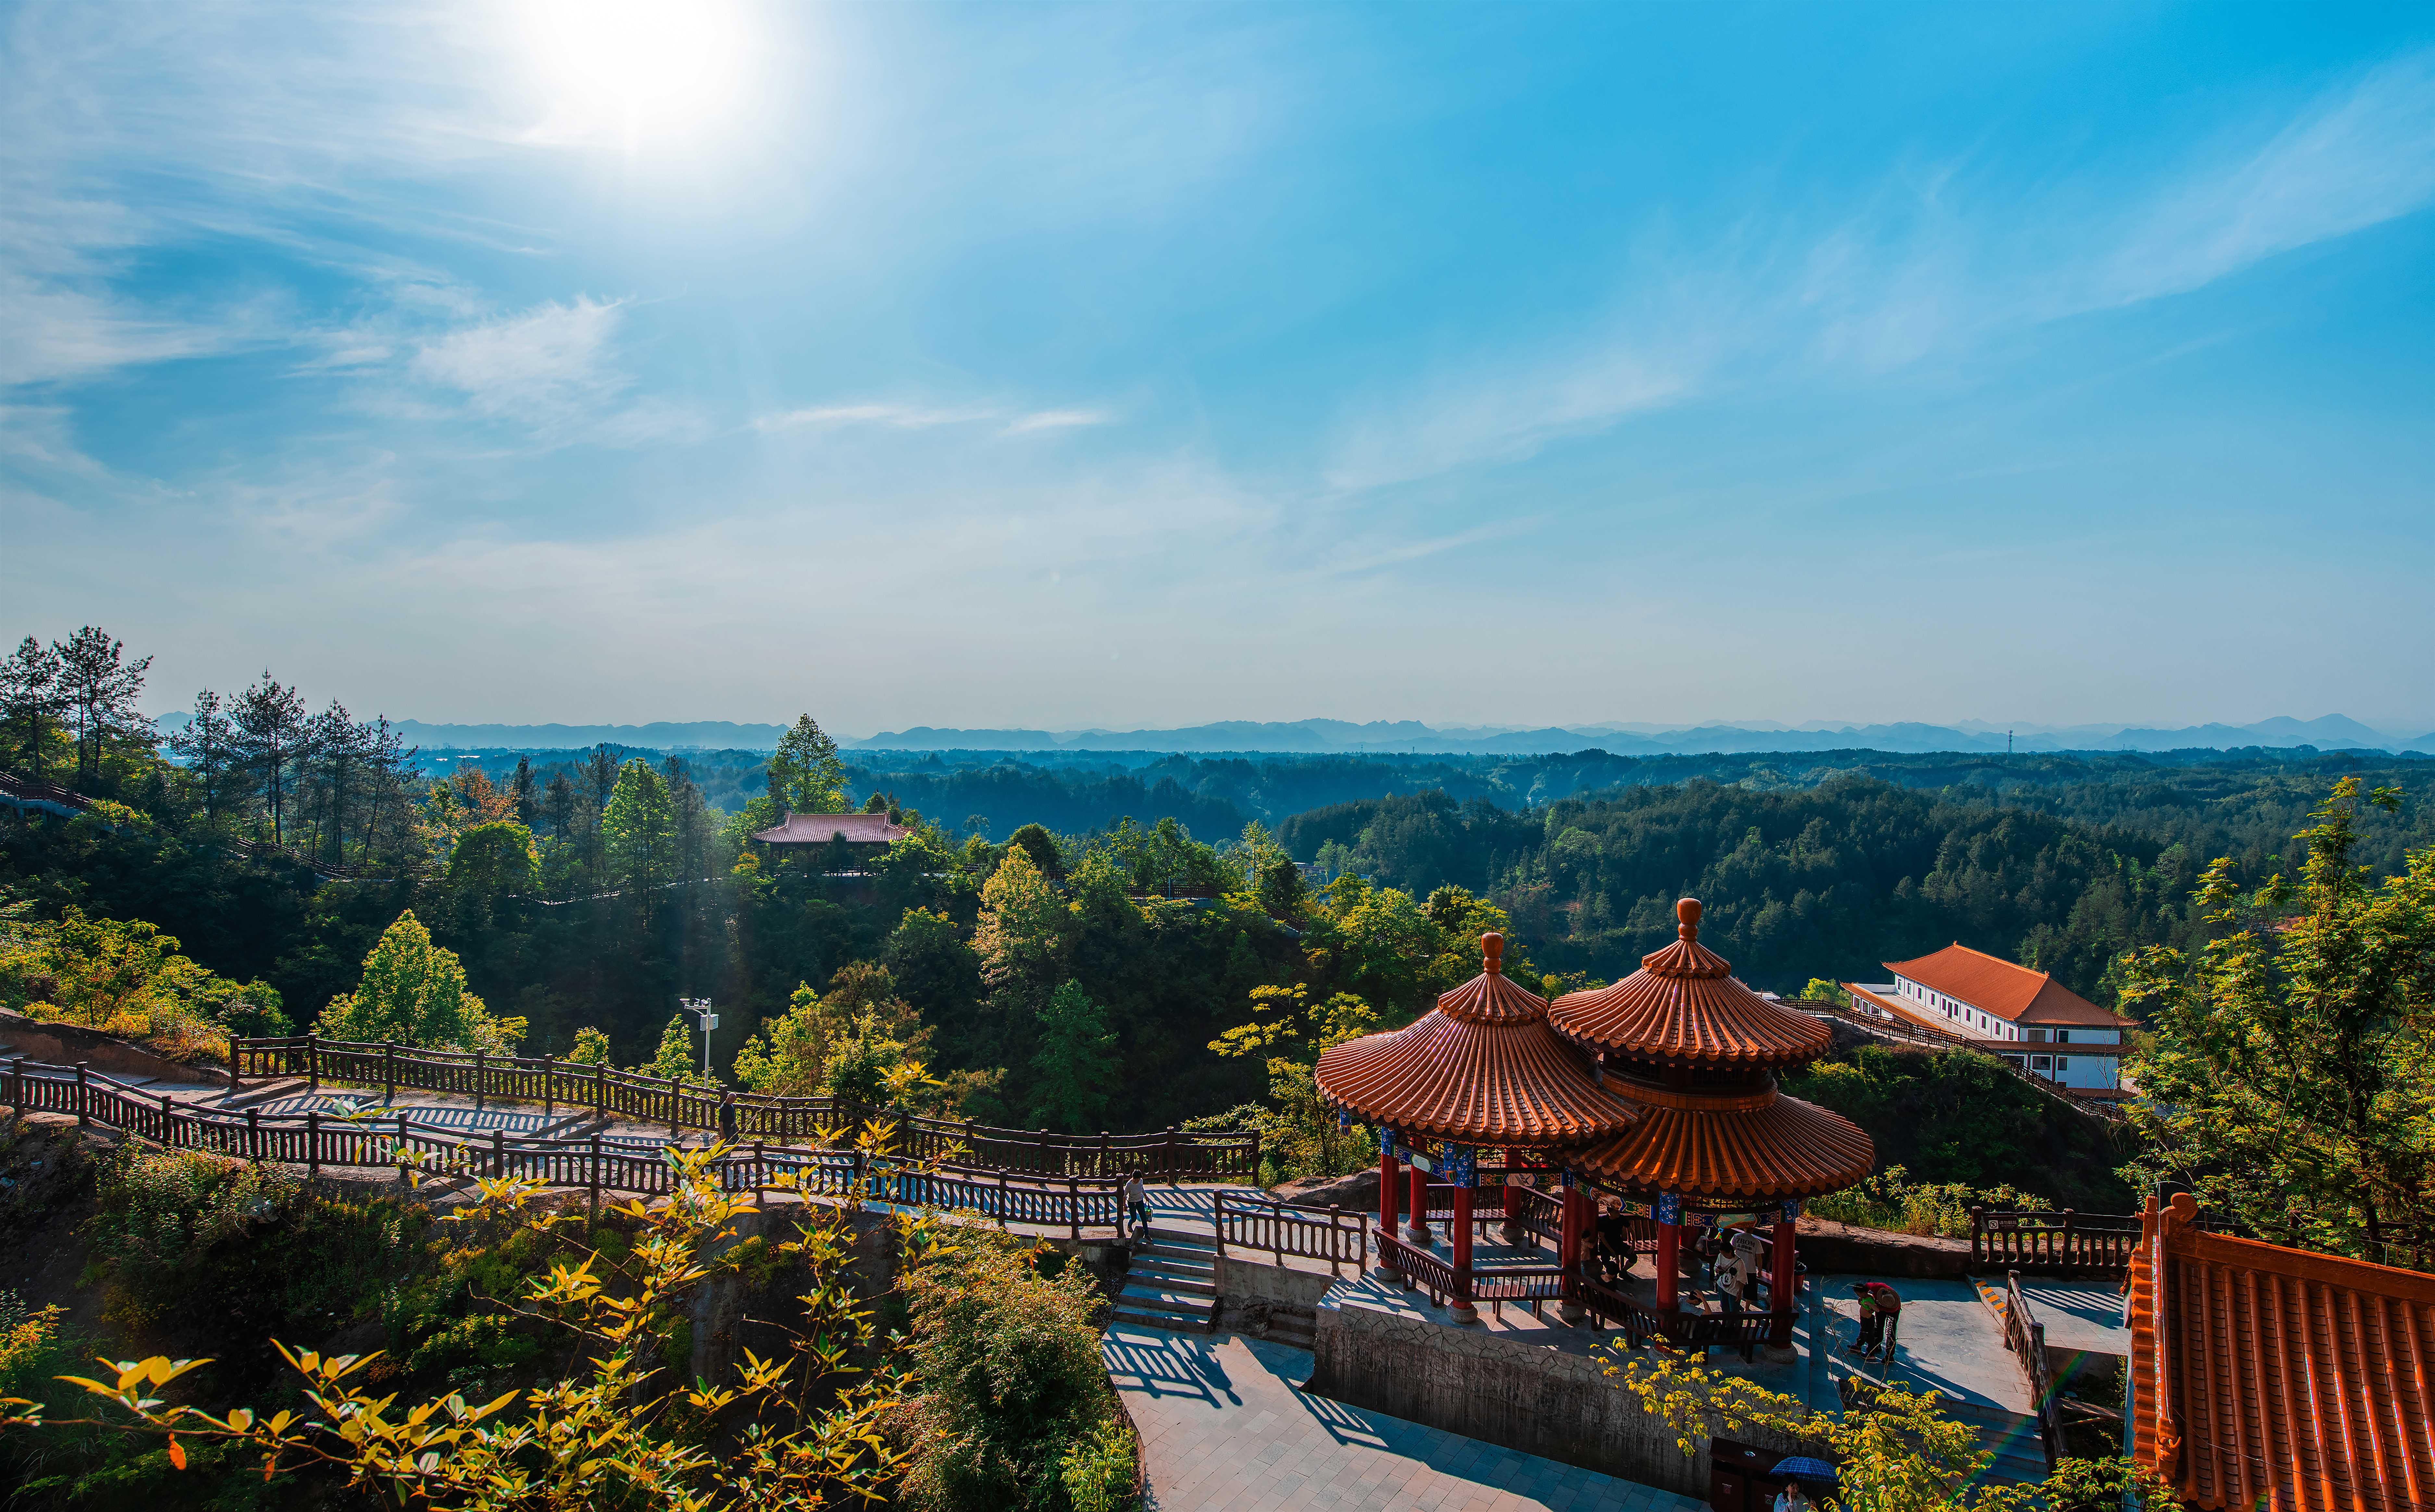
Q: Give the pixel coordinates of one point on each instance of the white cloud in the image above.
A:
(1055, 419)
(898, 417)
(2360, 155)
(543, 367)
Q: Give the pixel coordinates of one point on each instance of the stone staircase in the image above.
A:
(2020, 1459)
(1171, 1284)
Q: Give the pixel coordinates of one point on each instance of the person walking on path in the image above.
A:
(1881, 1308)
(1137, 1203)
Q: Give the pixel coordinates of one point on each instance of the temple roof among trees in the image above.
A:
(1481, 1068)
(2009, 991)
(820, 828)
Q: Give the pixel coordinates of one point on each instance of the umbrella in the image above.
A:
(1802, 1468)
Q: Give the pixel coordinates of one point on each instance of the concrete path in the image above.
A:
(1225, 1428)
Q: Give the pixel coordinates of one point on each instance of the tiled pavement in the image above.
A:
(1224, 1428)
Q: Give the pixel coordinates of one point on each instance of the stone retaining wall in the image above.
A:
(1525, 1396)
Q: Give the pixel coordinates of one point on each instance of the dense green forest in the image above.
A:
(589, 890)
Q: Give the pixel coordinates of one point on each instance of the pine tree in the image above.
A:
(519, 792)
(271, 741)
(29, 703)
(413, 993)
(99, 687)
(1076, 1063)
(640, 829)
(806, 776)
(557, 802)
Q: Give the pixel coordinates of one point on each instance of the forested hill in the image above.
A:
(1836, 878)
(1216, 795)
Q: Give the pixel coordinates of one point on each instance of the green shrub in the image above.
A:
(1098, 1470)
(1007, 1360)
(1892, 1200)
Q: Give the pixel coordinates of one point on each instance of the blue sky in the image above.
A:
(1023, 365)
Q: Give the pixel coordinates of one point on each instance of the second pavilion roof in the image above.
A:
(1481, 1068)
(1685, 1007)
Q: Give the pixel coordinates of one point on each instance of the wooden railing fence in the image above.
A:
(2025, 1239)
(1168, 1154)
(1249, 1221)
(2027, 1337)
(592, 1163)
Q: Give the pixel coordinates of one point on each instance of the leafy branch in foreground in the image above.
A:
(620, 1432)
(1895, 1451)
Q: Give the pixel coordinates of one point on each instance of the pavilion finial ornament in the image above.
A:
(1687, 915)
(1492, 951)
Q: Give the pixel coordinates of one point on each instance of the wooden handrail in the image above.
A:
(2027, 1337)
(2038, 1239)
(1170, 1155)
(1251, 1221)
(396, 1142)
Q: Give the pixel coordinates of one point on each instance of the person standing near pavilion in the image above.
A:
(1880, 1305)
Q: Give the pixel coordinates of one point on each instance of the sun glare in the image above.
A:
(636, 67)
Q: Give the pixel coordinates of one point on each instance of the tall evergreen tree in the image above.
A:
(558, 804)
(208, 743)
(519, 792)
(639, 828)
(30, 705)
(1075, 1066)
(272, 738)
(805, 773)
(99, 687)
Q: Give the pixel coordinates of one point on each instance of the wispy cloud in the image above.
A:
(1933, 263)
(543, 366)
(900, 417)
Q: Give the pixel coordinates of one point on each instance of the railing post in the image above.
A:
(1173, 1166)
(549, 1086)
(168, 1122)
(397, 1150)
(601, 1089)
(17, 1084)
(236, 1065)
(499, 1153)
(760, 1174)
(313, 1063)
(1217, 1213)
(478, 1079)
(389, 1073)
(312, 1142)
(84, 1114)
(253, 1134)
(1074, 1206)
(1103, 1154)
(595, 1171)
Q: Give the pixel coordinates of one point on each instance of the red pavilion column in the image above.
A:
(1462, 1309)
(1418, 1229)
(1573, 1227)
(1390, 1175)
(1669, 1212)
(1781, 1300)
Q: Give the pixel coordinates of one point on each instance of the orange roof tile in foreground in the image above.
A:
(1753, 1147)
(1684, 1007)
(1482, 1068)
(2275, 1377)
(1998, 986)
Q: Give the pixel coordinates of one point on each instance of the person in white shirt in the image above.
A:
(1136, 1200)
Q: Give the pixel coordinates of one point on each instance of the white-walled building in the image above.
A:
(2032, 1020)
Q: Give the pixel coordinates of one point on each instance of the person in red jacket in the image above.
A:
(1880, 1304)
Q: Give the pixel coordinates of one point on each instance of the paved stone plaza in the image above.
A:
(1224, 1428)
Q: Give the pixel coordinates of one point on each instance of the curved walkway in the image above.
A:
(1226, 1428)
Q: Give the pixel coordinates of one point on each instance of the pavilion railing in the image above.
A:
(1419, 1268)
(2019, 1238)
(1536, 1212)
(592, 1163)
(1168, 1154)
(1520, 1283)
(1643, 1324)
(1254, 1222)
(2027, 1337)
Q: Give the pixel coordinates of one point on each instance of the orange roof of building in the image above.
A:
(1756, 1146)
(1481, 1068)
(2266, 1376)
(820, 828)
(1683, 1005)
(2009, 991)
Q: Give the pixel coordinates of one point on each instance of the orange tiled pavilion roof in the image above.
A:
(1481, 1068)
(2275, 1377)
(1749, 1145)
(1685, 1007)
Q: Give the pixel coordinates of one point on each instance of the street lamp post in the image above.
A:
(699, 1007)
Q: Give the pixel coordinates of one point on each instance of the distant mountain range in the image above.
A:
(1407, 736)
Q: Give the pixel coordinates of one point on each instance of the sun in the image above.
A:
(636, 66)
